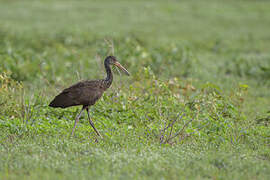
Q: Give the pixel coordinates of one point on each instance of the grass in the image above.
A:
(195, 107)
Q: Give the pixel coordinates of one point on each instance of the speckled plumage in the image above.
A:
(86, 93)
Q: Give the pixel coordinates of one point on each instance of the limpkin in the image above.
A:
(86, 93)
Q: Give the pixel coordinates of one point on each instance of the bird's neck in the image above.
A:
(108, 80)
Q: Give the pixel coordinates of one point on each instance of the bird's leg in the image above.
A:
(91, 123)
(76, 120)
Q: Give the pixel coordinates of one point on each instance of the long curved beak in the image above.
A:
(122, 68)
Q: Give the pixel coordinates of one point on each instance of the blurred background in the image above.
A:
(206, 60)
(209, 39)
(54, 43)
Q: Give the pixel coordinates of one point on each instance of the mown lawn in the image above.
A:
(196, 106)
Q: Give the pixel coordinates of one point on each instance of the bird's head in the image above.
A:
(111, 60)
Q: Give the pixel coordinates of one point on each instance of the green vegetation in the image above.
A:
(197, 105)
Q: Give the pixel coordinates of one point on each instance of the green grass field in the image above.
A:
(196, 106)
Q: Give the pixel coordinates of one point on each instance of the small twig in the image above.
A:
(110, 44)
(166, 127)
(174, 122)
(188, 135)
(162, 135)
(22, 107)
(179, 132)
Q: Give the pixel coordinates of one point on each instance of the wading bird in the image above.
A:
(86, 93)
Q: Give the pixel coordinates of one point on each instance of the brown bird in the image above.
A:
(86, 93)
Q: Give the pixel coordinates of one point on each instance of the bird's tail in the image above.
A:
(62, 100)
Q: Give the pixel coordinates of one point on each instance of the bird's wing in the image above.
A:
(91, 85)
(82, 93)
